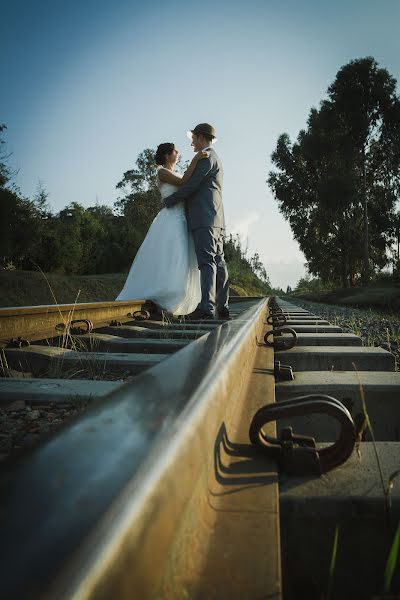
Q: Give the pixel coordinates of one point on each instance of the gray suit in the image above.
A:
(205, 217)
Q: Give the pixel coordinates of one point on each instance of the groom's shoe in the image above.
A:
(224, 314)
(199, 314)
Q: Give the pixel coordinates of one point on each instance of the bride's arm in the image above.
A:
(167, 177)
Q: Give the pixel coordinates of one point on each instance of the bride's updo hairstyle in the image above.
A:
(162, 152)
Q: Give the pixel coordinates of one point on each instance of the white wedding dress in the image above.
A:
(165, 267)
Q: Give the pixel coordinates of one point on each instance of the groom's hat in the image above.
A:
(204, 128)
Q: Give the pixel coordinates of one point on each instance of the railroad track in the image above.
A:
(135, 497)
(69, 355)
(155, 490)
(359, 500)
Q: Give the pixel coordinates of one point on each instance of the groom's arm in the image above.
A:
(202, 170)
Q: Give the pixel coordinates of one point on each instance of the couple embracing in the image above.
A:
(181, 266)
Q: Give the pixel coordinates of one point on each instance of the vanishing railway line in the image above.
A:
(183, 478)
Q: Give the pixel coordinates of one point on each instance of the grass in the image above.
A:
(95, 369)
(332, 564)
(367, 424)
(389, 489)
(383, 298)
(31, 288)
(245, 283)
(394, 551)
(392, 561)
(5, 369)
(374, 326)
(380, 327)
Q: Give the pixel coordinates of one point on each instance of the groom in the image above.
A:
(205, 218)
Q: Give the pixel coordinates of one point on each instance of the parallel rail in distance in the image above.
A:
(153, 491)
(32, 320)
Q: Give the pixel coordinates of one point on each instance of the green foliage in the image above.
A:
(311, 284)
(141, 201)
(337, 185)
(19, 233)
(247, 273)
(392, 561)
(5, 173)
(98, 239)
(332, 564)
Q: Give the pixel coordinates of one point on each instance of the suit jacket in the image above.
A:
(202, 194)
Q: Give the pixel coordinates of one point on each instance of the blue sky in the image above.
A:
(87, 85)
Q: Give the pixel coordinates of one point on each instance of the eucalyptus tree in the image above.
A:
(338, 183)
(368, 108)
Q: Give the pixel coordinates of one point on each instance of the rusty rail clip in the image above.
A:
(19, 342)
(79, 330)
(277, 320)
(281, 343)
(297, 454)
(139, 315)
(68, 327)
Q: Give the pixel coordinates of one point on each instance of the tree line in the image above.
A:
(94, 240)
(338, 184)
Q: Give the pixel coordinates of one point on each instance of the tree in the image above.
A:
(364, 97)
(98, 239)
(142, 199)
(258, 268)
(248, 273)
(20, 234)
(5, 173)
(41, 200)
(344, 166)
(18, 218)
(309, 284)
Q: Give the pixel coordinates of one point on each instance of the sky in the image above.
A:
(87, 85)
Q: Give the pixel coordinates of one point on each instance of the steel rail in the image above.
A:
(24, 320)
(136, 497)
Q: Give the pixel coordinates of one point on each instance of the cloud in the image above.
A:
(285, 272)
(242, 228)
(284, 262)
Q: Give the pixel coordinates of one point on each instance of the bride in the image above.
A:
(165, 267)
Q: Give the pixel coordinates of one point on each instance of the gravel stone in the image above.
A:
(373, 327)
(33, 415)
(13, 406)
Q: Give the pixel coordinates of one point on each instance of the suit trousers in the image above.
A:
(209, 245)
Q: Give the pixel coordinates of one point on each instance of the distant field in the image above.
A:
(29, 288)
(383, 298)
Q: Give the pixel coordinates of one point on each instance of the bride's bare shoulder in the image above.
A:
(166, 176)
(163, 174)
